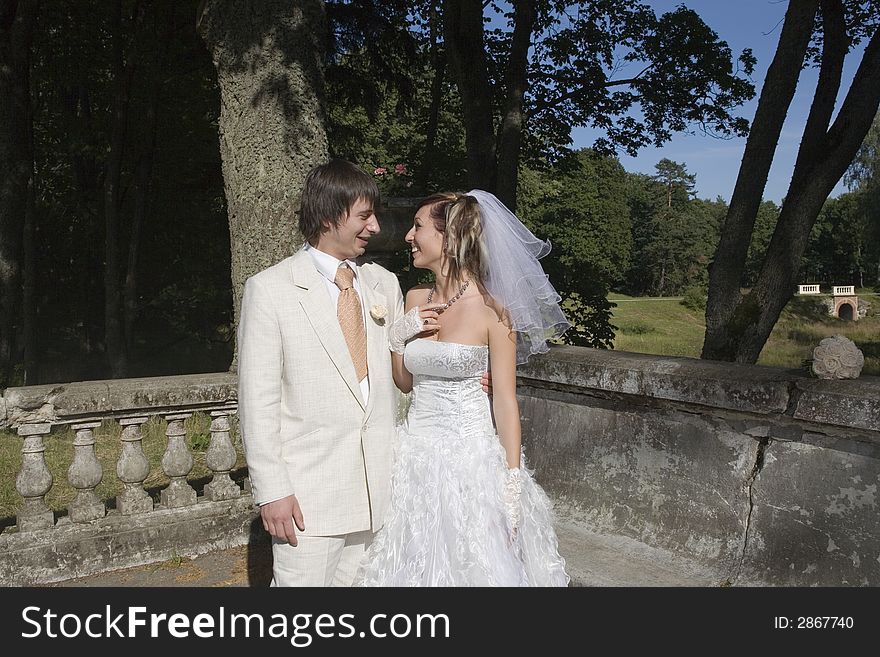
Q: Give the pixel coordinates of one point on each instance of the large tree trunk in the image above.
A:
(465, 47)
(268, 55)
(729, 263)
(513, 121)
(824, 155)
(16, 163)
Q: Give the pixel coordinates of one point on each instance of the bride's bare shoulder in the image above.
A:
(418, 290)
(493, 309)
(416, 295)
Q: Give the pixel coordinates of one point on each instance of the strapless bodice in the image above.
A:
(446, 392)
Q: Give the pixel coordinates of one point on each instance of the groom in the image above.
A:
(317, 402)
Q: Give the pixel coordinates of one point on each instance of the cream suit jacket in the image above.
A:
(304, 424)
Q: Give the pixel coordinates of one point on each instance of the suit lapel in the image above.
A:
(322, 316)
(377, 348)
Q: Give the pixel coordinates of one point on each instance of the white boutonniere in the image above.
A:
(378, 312)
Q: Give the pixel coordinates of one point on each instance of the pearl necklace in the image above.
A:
(445, 306)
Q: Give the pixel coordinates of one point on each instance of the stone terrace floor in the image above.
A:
(592, 560)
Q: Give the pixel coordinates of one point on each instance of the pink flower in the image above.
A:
(380, 171)
(399, 169)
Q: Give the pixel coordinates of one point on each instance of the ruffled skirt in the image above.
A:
(447, 524)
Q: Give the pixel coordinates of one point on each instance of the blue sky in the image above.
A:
(743, 24)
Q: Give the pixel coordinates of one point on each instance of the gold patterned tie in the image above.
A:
(351, 319)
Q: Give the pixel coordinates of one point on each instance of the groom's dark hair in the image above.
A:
(328, 194)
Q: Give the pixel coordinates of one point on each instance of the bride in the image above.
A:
(464, 510)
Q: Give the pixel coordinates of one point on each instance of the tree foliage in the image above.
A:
(863, 179)
(607, 64)
(864, 171)
(675, 180)
(580, 206)
(765, 224)
(183, 301)
(674, 235)
(16, 169)
(596, 62)
(841, 249)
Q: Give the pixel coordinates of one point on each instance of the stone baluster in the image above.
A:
(221, 458)
(246, 482)
(132, 469)
(177, 462)
(34, 480)
(84, 474)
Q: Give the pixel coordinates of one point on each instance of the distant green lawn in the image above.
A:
(660, 326)
(666, 327)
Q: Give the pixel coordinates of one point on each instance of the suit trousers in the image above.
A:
(319, 560)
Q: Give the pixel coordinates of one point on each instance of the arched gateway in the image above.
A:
(844, 303)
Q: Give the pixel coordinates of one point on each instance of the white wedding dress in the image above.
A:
(447, 524)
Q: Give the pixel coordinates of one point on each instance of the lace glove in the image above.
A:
(405, 328)
(512, 493)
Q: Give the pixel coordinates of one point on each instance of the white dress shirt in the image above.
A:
(327, 266)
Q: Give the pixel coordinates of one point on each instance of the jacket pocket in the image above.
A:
(295, 445)
(294, 437)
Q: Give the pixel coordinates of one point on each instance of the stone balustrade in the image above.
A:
(844, 290)
(808, 289)
(84, 538)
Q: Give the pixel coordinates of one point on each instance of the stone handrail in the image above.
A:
(764, 392)
(67, 403)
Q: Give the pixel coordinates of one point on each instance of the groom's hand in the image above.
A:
(486, 382)
(279, 516)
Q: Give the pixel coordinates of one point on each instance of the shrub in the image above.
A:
(694, 298)
(636, 328)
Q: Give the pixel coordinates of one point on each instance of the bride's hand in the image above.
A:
(430, 321)
(414, 323)
(512, 495)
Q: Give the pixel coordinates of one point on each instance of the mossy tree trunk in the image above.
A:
(268, 55)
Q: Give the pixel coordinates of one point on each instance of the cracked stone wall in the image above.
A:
(765, 475)
(814, 517)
